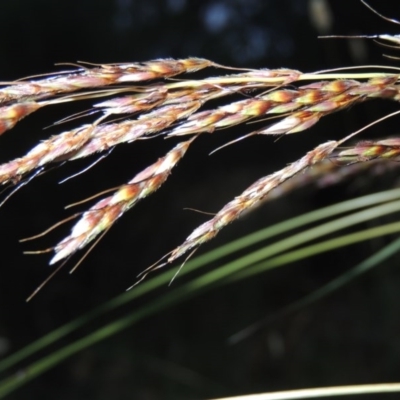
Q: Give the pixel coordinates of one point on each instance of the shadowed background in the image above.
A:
(351, 337)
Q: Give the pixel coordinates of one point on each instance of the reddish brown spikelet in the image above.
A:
(334, 170)
(312, 102)
(284, 75)
(250, 198)
(369, 150)
(337, 86)
(90, 139)
(346, 93)
(99, 76)
(104, 213)
(11, 114)
(132, 104)
(55, 148)
(109, 135)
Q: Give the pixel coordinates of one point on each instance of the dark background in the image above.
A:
(350, 337)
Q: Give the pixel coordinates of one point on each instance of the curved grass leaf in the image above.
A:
(326, 290)
(194, 287)
(175, 296)
(313, 393)
(214, 255)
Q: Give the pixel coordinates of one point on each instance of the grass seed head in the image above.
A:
(148, 104)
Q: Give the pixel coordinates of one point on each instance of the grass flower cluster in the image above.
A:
(140, 100)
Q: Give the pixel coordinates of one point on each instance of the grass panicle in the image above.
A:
(148, 104)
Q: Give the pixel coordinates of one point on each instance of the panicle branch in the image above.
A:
(105, 212)
(98, 76)
(250, 198)
(148, 103)
(160, 107)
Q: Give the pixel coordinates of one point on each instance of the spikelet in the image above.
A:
(250, 198)
(21, 98)
(104, 213)
(388, 149)
(99, 76)
(338, 167)
(10, 115)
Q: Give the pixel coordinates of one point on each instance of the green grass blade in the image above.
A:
(206, 280)
(259, 256)
(322, 247)
(326, 290)
(184, 292)
(196, 263)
